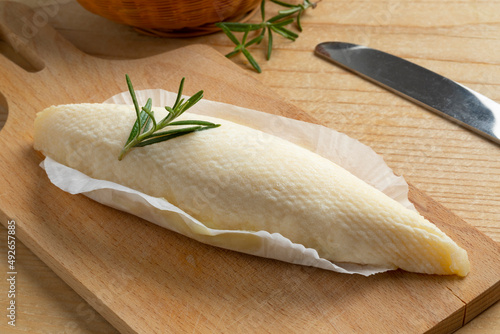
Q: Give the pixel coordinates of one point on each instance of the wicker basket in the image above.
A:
(173, 18)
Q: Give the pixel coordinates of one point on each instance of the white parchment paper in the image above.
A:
(349, 153)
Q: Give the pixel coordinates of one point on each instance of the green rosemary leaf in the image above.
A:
(269, 43)
(190, 102)
(144, 118)
(285, 33)
(193, 122)
(149, 104)
(178, 99)
(291, 33)
(244, 39)
(299, 26)
(251, 60)
(234, 53)
(147, 109)
(169, 109)
(257, 39)
(283, 23)
(290, 11)
(138, 122)
(166, 135)
(161, 139)
(228, 32)
(263, 9)
(178, 107)
(277, 18)
(135, 128)
(174, 131)
(132, 95)
(150, 124)
(242, 27)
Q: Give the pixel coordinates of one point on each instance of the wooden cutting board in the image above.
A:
(145, 279)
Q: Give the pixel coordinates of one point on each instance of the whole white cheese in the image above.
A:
(236, 177)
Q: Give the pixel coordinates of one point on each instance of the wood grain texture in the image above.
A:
(455, 167)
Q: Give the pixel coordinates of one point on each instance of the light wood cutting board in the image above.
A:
(145, 279)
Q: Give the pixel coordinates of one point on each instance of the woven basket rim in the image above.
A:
(196, 31)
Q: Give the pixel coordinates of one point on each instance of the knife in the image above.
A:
(420, 85)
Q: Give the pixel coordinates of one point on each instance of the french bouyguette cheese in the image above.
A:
(238, 178)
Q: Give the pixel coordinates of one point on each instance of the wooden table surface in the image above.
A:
(459, 39)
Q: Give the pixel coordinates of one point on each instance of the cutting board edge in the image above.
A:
(482, 302)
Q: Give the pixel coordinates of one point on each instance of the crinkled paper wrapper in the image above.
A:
(349, 153)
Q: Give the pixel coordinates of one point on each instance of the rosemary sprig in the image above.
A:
(146, 130)
(275, 24)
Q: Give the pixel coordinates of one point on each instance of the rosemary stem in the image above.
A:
(127, 148)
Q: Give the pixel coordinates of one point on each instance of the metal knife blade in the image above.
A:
(418, 84)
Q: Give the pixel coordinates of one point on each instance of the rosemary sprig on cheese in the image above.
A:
(146, 130)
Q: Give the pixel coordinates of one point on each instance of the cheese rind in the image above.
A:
(235, 177)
